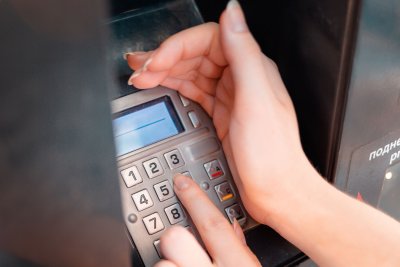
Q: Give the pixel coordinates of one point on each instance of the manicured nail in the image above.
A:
(147, 63)
(239, 232)
(181, 181)
(126, 55)
(237, 22)
(134, 75)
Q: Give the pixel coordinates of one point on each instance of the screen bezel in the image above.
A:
(171, 111)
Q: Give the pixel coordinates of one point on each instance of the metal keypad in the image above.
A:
(147, 181)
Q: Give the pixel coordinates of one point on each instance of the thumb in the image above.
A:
(242, 51)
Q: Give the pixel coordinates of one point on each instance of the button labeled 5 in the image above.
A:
(163, 190)
(142, 200)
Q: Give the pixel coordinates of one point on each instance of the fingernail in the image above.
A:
(236, 19)
(147, 63)
(239, 232)
(181, 181)
(134, 75)
(126, 55)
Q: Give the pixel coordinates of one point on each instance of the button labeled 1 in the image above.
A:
(153, 223)
(174, 159)
(131, 176)
(142, 200)
(153, 167)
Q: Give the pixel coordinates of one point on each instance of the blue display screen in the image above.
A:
(145, 124)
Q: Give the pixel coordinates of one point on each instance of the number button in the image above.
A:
(131, 176)
(175, 213)
(153, 223)
(153, 167)
(163, 190)
(142, 200)
(174, 159)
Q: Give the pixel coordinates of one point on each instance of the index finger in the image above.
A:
(201, 40)
(214, 229)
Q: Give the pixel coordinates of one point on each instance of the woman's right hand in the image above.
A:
(222, 68)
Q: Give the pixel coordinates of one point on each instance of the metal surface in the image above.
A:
(142, 236)
(373, 109)
(59, 195)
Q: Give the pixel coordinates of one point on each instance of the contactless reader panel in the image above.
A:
(159, 133)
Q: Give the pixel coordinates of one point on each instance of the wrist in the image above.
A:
(296, 193)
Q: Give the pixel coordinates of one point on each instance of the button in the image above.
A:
(202, 148)
(131, 176)
(163, 190)
(153, 168)
(224, 191)
(175, 213)
(174, 159)
(153, 223)
(142, 200)
(184, 100)
(194, 119)
(187, 174)
(214, 169)
(158, 247)
(235, 211)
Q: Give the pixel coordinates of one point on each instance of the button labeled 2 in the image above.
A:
(174, 159)
(153, 167)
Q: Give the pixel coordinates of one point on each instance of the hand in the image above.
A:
(222, 68)
(225, 244)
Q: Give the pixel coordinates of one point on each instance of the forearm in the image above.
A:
(335, 229)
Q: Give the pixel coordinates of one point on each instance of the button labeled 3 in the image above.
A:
(153, 168)
(174, 159)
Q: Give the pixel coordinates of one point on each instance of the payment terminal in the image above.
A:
(159, 133)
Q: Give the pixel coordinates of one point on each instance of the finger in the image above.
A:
(180, 247)
(239, 232)
(136, 60)
(214, 229)
(165, 263)
(190, 90)
(202, 40)
(244, 57)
